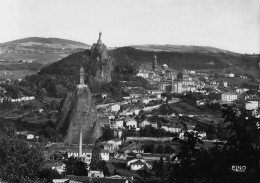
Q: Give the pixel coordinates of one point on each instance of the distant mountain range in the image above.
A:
(44, 51)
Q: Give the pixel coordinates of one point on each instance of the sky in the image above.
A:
(232, 25)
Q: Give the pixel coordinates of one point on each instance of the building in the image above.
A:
(165, 67)
(228, 97)
(143, 74)
(131, 123)
(177, 87)
(135, 95)
(251, 105)
(59, 167)
(225, 84)
(154, 64)
(241, 90)
(144, 123)
(230, 75)
(154, 124)
(104, 155)
(86, 154)
(164, 84)
(115, 143)
(81, 82)
(138, 149)
(118, 124)
(172, 128)
(25, 135)
(115, 108)
(95, 173)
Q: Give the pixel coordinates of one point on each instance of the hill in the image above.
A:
(38, 50)
(198, 58)
(175, 60)
(31, 54)
(41, 40)
(59, 77)
(181, 48)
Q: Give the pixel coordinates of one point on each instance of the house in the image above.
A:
(241, 90)
(118, 133)
(58, 166)
(145, 100)
(154, 124)
(172, 128)
(118, 124)
(138, 149)
(225, 84)
(230, 75)
(104, 95)
(25, 135)
(252, 105)
(144, 123)
(201, 102)
(60, 180)
(131, 123)
(95, 179)
(137, 165)
(112, 179)
(95, 173)
(108, 147)
(143, 74)
(228, 97)
(86, 154)
(104, 155)
(115, 143)
(115, 108)
(135, 95)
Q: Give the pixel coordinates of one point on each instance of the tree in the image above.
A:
(19, 162)
(54, 105)
(108, 133)
(168, 149)
(148, 148)
(75, 167)
(160, 149)
(42, 92)
(49, 174)
(96, 161)
(159, 168)
(105, 169)
(7, 105)
(60, 91)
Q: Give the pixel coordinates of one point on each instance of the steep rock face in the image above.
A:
(78, 112)
(103, 61)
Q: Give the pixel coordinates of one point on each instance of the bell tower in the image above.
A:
(154, 64)
(81, 81)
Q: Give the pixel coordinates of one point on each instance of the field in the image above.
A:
(15, 74)
(13, 67)
(34, 57)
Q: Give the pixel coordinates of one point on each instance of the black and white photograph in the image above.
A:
(130, 91)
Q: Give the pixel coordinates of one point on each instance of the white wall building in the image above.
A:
(131, 123)
(251, 105)
(228, 97)
(115, 108)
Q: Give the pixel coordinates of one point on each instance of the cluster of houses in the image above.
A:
(21, 99)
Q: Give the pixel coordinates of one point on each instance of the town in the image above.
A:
(129, 91)
(141, 133)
